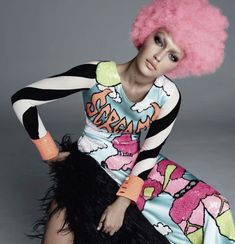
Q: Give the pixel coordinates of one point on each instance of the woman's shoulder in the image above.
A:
(93, 62)
(167, 85)
(99, 61)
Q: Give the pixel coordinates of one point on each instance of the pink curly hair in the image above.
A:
(197, 27)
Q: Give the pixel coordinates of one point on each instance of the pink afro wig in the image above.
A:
(196, 26)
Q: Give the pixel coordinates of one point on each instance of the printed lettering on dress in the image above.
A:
(104, 116)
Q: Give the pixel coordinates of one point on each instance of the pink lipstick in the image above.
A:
(150, 65)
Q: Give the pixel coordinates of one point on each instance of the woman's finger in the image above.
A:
(99, 225)
(65, 154)
(106, 229)
(101, 221)
(112, 232)
(62, 156)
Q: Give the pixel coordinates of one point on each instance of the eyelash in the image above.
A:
(158, 41)
(173, 57)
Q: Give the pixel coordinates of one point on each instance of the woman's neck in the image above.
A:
(131, 76)
(134, 84)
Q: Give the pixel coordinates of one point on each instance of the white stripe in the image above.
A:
(41, 128)
(156, 140)
(143, 165)
(170, 103)
(21, 106)
(63, 83)
(37, 102)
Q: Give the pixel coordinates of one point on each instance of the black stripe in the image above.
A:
(42, 94)
(152, 153)
(161, 124)
(144, 175)
(83, 70)
(30, 121)
(156, 127)
(149, 154)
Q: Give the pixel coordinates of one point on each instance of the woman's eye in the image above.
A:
(173, 57)
(158, 41)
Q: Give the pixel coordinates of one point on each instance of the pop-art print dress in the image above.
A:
(179, 205)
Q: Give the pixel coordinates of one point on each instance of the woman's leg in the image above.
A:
(51, 235)
(184, 208)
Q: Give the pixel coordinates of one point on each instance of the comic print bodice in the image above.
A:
(114, 123)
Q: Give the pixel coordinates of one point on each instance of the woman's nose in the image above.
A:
(159, 56)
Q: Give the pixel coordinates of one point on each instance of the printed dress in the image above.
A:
(180, 206)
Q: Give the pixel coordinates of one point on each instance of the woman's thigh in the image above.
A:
(183, 207)
(55, 223)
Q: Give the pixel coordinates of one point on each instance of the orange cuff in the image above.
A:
(46, 147)
(131, 188)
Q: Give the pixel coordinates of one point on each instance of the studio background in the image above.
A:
(44, 38)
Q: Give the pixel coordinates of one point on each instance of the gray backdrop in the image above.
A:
(43, 38)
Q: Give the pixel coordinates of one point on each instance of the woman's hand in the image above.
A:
(60, 157)
(112, 218)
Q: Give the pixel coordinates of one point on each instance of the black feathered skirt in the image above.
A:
(84, 190)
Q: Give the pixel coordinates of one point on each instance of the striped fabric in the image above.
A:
(47, 90)
(157, 135)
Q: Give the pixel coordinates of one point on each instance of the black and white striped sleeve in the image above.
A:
(26, 100)
(157, 135)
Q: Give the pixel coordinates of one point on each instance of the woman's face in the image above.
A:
(158, 55)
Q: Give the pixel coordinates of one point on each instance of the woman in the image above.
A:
(106, 189)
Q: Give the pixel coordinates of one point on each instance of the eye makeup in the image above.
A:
(159, 40)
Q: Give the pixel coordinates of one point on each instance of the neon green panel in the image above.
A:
(106, 74)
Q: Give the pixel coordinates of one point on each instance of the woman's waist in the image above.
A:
(94, 139)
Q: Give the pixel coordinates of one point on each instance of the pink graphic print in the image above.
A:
(157, 179)
(192, 197)
(127, 152)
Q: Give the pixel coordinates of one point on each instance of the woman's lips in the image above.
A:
(150, 65)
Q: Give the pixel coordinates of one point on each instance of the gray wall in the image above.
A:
(42, 38)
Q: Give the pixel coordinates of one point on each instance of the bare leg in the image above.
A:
(53, 225)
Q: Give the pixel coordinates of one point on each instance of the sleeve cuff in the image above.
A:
(46, 147)
(131, 188)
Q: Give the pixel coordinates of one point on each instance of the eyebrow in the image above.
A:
(162, 34)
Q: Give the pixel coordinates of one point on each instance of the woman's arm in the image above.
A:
(156, 137)
(26, 100)
(112, 218)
